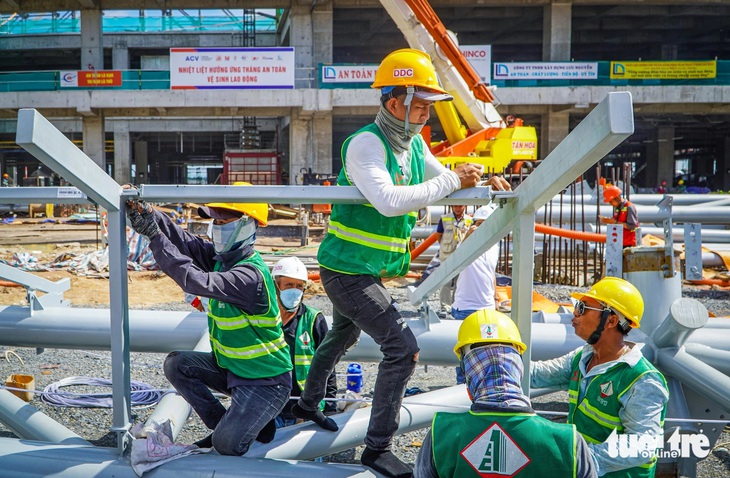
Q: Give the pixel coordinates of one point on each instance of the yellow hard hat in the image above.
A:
(618, 294)
(487, 326)
(409, 67)
(258, 211)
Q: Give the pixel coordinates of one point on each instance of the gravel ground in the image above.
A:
(93, 423)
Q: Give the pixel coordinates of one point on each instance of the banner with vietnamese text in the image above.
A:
(663, 70)
(232, 68)
(568, 70)
(90, 78)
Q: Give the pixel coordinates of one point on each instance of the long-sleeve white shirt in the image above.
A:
(365, 166)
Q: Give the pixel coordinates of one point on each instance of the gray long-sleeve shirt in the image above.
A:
(190, 261)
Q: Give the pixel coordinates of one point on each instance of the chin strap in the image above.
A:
(410, 90)
(599, 330)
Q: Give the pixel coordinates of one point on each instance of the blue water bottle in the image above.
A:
(354, 377)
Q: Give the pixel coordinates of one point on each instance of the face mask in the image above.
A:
(291, 298)
(225, 236)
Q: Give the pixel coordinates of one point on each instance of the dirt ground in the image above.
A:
(47, 241)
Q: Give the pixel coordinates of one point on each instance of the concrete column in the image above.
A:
(311, 36)
(660, 157)
(310, 144)
(140, 161)
(557, 26)
(122, 153)
(93, 137)
(120, 55)
(92, 43)
(300, 37)
(555, 127)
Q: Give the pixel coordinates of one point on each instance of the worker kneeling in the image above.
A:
(500, 434)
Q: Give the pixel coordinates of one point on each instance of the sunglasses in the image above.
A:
(580, 308)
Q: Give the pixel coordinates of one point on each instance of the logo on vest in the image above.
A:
(305, 338)
(495, 453)
(606, 389)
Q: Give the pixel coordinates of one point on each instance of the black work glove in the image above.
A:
(142, 218)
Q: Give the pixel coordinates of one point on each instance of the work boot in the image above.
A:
(206, 442)
(385, 463)
(316, 416)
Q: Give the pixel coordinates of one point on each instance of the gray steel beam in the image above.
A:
(28, 423)
(306, 441)
(33, 459)
(692, 372)
(291, 194)
(45, 195)
(41, 139)
(34, 282)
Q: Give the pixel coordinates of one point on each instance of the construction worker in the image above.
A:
(7, 181)
(624, 213)
(450, 231)
(611, 386)
(250, 359)
(304, 330)
(476, 285)
(391, 165)
(500, 434)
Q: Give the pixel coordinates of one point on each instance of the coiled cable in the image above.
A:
(143, 395)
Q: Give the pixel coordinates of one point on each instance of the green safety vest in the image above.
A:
(304, 345)
(492, 444)
(251, 346)
(359, 239)
(596, 416)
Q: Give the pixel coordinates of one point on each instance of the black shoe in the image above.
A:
(206, 442)
(385, 463)
(316, 416)
(267, 433)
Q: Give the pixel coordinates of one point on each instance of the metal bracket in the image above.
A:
(693, 251)
(668, 266)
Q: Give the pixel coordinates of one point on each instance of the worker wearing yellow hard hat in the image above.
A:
(234, 224)
(612, 387)
(391, 165)
(500, 434)
(250, 359)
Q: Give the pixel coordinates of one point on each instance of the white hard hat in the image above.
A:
(483, 212)
(290, 267)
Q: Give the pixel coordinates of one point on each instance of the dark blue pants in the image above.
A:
(360, 302)
(194, 374)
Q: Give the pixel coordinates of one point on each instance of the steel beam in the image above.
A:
(33, 459)
(28, 423)
(292, 194)
(41, 139)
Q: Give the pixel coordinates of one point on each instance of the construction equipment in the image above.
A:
(485, 138)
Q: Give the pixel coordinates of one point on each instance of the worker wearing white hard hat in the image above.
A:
(476, 285)
(304, 329)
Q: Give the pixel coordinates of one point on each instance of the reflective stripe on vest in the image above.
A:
(250, 346)
(596, 420)
(359, 239)
(303, 352)
(620, 214)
